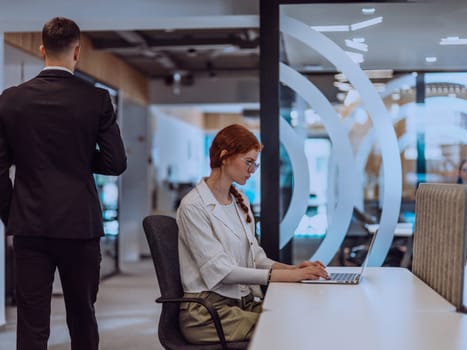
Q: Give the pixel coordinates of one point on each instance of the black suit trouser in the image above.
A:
(78, 263)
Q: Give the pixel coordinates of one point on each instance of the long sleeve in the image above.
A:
(110, 157)
(262, 261)
(245, 275)
(209, 254)
(6, 187)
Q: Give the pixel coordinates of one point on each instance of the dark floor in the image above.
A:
(125, 310)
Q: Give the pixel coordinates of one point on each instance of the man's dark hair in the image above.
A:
(59, 34)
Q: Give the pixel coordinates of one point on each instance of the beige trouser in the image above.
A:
(238, 318)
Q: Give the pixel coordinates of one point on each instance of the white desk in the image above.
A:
(389, 309)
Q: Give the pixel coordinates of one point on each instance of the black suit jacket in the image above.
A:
(49, 129)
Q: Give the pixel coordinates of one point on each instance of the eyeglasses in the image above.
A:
(252, 165)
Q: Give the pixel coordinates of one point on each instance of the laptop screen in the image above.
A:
(370, 247)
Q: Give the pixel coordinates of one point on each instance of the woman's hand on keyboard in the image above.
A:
(306, 263)
(310, 272)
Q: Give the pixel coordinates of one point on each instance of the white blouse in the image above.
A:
(218, 250)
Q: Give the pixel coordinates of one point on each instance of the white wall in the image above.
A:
(180, 146)
(135, 183)
(15, 68)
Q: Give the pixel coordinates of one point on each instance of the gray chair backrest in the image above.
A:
(162, 236)
(439, 253)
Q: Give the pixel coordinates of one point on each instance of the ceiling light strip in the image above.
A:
(367, 23)
(453, 41)
(356, 45)
(336, 28)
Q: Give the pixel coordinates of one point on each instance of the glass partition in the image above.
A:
(388, 99)
(302, 43)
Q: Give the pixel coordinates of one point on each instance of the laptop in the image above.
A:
(346, 277)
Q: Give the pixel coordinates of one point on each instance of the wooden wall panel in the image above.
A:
(101, 65)
(217, 121)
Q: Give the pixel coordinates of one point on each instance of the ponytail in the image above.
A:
(240, 202)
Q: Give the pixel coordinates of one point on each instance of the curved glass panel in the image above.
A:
(382, 126)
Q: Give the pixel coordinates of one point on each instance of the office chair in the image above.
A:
(162, 236)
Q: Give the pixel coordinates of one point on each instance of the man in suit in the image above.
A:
(57, 130)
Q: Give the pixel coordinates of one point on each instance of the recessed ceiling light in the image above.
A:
(355, 56)
(380, 87)
(352, 97)
(356, 45)
(430, 59)
(337, 28)
(342, 86)
(360, 116)
(341, 96)
(340, 77)
(453, 40)
(177, 76)
(368, 10)
(311, 117)
(367, 23)
(312, 68)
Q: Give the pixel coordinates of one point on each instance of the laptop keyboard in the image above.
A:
(344, 276)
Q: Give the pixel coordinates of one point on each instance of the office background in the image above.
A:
(169, 113)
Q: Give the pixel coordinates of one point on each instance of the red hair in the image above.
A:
(234, 139)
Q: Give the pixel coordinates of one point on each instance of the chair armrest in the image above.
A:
(212, 311)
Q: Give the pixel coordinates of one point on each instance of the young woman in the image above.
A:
(220, 259)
